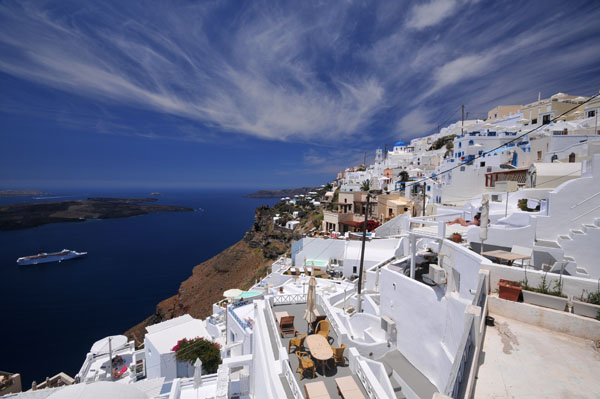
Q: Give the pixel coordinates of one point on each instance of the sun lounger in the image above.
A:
(348, 389)
(286, 326)
(316, 390)
(279, 315)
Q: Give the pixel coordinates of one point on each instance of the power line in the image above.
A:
(504, 144)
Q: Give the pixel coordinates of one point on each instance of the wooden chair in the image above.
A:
(297, 341)
(305, 363)
(314, 324)
(286, 326)
(338, 354)
(323, 328)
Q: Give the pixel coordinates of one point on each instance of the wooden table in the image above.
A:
(348, 389)
(505, 255)
(316, 390)
(319, 348)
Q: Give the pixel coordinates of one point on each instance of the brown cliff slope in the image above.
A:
(236, 267)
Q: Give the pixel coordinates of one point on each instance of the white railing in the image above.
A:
(369, 381)
(271, 324)
(289, 299)
(289, 376)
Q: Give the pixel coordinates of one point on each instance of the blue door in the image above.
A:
(515, 160)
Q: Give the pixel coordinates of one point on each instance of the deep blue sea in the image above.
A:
(51, 314)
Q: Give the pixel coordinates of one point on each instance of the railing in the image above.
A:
(271, 324)
(289, 299)
(244, 324)
(289, 376)
(460, 361)
(369, 381)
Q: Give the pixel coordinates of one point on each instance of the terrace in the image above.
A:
(331, 371)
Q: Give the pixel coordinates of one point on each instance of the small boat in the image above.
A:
(44, 257)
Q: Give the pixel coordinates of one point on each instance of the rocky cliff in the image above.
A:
(238, 266)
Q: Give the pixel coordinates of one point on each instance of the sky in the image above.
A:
(263, 94)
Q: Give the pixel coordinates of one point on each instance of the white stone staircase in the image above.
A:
(582, 246)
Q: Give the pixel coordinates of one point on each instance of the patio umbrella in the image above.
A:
(232, 293)
(102, 346)
(197, 373)
(311, 301)
(483, 221)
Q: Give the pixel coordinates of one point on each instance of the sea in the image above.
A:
(51, 314)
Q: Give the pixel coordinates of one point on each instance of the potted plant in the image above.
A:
(588, 306)
(188, 350)
(509, 290)
(456, 237)
(543, 295)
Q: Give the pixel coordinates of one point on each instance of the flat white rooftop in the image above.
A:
(524, 361)
(164, 336)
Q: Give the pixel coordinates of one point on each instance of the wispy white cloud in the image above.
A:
(415, 122)
(431, 13)
(310, 73)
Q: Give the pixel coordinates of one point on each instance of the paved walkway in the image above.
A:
(524, 361)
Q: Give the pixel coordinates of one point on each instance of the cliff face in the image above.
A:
(238, 266)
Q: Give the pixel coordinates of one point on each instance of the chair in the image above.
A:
(314, 324)
(305, 363)
(556, 267)
(517, 249)
(338, 354)
(286, 326)
(297, 341)
(323, 328)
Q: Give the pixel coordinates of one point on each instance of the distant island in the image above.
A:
(21, 216)
(21, 193)
(286, 192)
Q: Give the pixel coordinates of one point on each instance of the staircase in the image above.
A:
(582, 247)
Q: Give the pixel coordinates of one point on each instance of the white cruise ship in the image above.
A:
(44, 257)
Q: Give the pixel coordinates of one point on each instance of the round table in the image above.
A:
(319, 348)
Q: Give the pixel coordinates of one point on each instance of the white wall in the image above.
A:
(266, 370)
(570, 205)
(430, 320)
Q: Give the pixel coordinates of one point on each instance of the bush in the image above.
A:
(188, 350)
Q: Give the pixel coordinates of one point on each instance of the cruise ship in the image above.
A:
(44, 257)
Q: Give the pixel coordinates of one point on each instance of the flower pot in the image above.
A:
(545, 300)
(586, 309)
(508, 291)
(456, 237)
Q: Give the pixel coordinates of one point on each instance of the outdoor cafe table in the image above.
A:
(319, 348)
(510, 257)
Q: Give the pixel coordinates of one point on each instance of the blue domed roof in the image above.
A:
(399, 144)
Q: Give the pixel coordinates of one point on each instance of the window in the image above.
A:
(471, 142)
(545, 119)
(539, 155)
(591, 114)
(459, 144)
(354, 270)
(534, 121)
(572, 157)
(482, 164)
(462, 168)
(496, 198)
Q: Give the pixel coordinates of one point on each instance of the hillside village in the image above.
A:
(477, 276)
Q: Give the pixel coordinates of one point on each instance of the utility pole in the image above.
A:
(424, 184)
(462, 120)
(362, 254)
(110, 367)
(365, 160)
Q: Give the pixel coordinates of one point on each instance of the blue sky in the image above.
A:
(263, 94)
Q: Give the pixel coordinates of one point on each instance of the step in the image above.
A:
(569, 258)
(597, 221)
(589, 227)
(581, 270)
(573, 231)
(564, 238)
